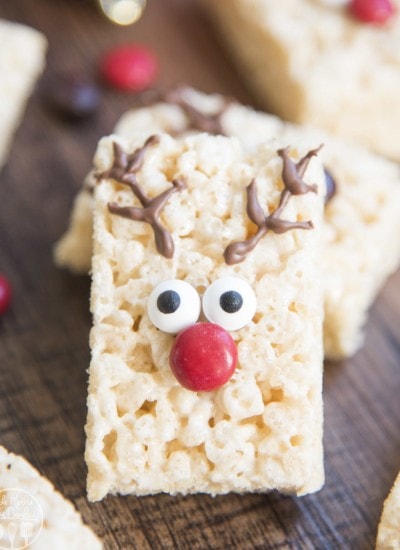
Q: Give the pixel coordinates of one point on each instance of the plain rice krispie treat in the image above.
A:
(192, 229)
(22, 57)
(362, 220)
(313, 62)
(33, 514)
(74, 249)
(389, 527)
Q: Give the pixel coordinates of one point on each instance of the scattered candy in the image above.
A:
(131, 67)
(372, 11)
(73, 98)
(5, 294)
(203, 357)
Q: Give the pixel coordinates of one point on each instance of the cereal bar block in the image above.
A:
(196, 229)
(74, 249)
(389, 527)
(22, 55)
(362, 219)
(39, 517)
(314, 62)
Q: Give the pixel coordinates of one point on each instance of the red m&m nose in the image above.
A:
(203, 357)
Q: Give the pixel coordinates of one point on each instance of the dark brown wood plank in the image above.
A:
(43, 339)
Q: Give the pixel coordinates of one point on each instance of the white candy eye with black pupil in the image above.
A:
(229, 302)
(173, 305)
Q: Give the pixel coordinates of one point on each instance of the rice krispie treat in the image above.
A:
(33, 514)
(362, 218)
(389, 527)
(316, 62)
(22, 55)
(207, 356)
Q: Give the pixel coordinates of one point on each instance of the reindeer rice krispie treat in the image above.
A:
(362, 217)
(332, 64)
(206, 297)
(34, 515)
(389, 527)
(22, 53)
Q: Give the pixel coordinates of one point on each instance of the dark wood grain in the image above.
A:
(43, 338)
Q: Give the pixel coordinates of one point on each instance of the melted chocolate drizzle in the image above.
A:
(210, 123)
(292, 174)
(126, 166)
(124, 170)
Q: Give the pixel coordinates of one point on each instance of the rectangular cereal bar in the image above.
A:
(388, 536)
(314, 62)
(22, 54)
(34, 514)
(197, 229)
(362, 219)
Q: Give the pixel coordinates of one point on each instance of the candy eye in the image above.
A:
(229, 302)
(173, 305)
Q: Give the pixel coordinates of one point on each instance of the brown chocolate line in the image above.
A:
(210, 123)
(124, 170)
(125, 165)
(292, 174)
(150, 213)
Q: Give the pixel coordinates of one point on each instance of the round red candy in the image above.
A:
(203, 357)
(5, 294)
(372, 11)
(130, 67)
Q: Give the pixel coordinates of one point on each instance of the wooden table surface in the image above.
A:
(44, 337)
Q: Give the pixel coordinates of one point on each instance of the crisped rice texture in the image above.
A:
(313, 62)
(362, 221)
(389, 527)
(62, 526)
(262, 430)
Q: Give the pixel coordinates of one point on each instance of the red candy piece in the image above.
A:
(203, 357)
(130, 67)
(372, 11)
(5, 294)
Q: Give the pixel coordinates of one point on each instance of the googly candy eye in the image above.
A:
(229, 302)
(173, 305)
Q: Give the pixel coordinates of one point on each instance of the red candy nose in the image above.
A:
(203, 357)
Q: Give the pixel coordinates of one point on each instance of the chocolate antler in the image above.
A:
(150, 213)
(210, 123)
(293, 185)
(124, 170)
(126, 166)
